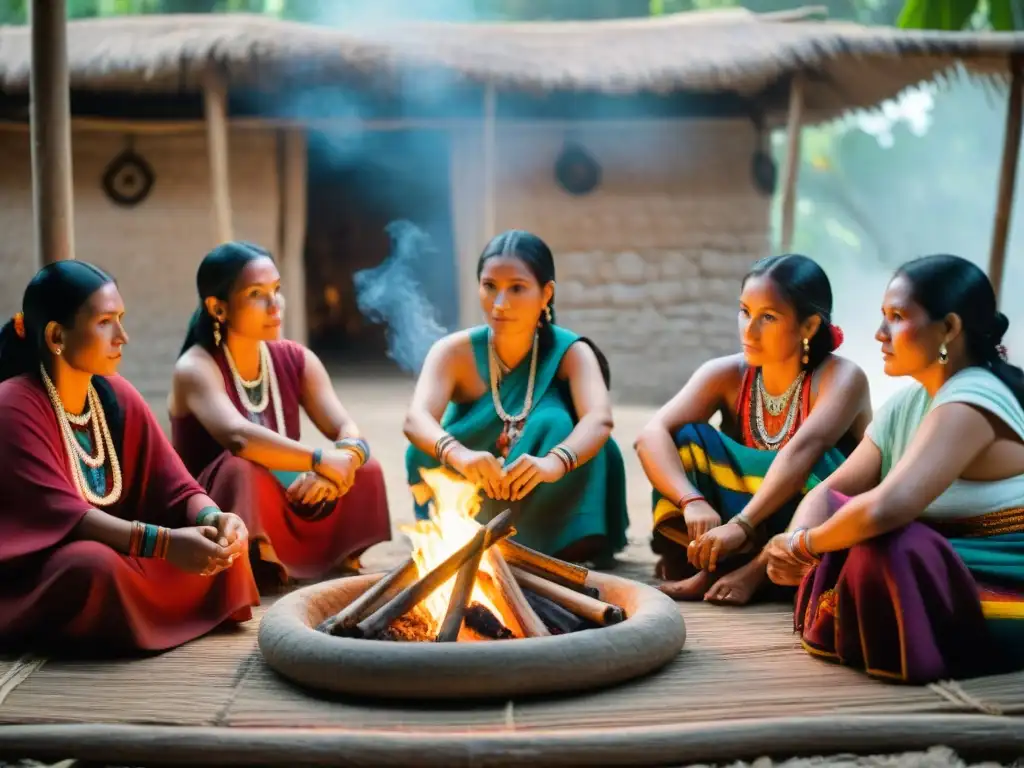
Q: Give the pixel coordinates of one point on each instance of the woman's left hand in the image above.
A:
(784, 568)
(527, 472)
(230, 529)
(717, 543)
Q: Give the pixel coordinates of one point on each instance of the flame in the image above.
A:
(455, 503)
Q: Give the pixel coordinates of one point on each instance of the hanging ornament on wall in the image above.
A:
(762, 166)
(576, 171)
(128, 178)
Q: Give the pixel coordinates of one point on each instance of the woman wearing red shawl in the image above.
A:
(235, 418)
(106, 541)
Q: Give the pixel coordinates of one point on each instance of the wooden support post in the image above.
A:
(792, 171)
(50, 118)
(490, 192)
(215, 103)
(1007, 175)
(291, 247)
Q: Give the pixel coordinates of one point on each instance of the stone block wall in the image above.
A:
(649, 264)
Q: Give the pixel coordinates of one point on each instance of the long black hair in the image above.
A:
(805, 286)
(55, 294)
(537, 257)
(942, 285)
(218, 272)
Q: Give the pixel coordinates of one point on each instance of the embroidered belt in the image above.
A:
(980, 526)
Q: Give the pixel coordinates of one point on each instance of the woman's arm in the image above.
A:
(434, 390)
(858, 474)
(933, 461)
(97, 525)
(199, 385)
(590, 400)
(320, 401)
(842, 395)
(702, 396)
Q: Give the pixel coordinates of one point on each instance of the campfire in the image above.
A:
(468, 582)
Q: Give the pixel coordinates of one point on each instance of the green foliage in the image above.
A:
(953, 15)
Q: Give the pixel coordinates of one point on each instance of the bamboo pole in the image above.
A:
(292, 237)
(50, 128)
(1007, 175)
(490, 151)
(215, 106)
(792, 170)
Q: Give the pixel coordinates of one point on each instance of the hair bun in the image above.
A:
(999, 327)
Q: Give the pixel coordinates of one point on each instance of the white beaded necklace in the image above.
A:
(266, 380)
(513, 424)
(102, 440)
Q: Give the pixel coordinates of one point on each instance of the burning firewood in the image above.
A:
(567, 574)
(379, 594)
(503, 591)
(583, 606)
(461, 594)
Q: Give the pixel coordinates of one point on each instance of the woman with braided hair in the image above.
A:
(520, 406)
(106, 542)
(791, 410)
(910, 557)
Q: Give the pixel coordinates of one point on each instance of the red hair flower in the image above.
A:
(1003, 353)
(837, 336)
(19, 325)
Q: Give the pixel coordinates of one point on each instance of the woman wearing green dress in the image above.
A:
(520, 406)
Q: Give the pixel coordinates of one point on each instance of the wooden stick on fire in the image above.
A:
(582, 605)
(459, 600)
(567, 574)
(379, 594)
(502, 590)
(497, 528)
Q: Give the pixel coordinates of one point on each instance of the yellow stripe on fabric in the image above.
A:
(1002, 609)
(695, 459)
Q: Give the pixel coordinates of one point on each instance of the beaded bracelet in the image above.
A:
(148, 541)
(743, 523)
(566, 455)
(356, 445)
(688, 498)
(208, 516)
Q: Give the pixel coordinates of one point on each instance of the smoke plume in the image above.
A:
(392, 294)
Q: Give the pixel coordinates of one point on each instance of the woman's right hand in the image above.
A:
(339, 466)
(700, 518)
(195, 550)
(481, 468)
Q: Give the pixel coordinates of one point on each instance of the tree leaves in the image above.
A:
(947, 15)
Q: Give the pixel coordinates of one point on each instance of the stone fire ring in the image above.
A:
(648, 639)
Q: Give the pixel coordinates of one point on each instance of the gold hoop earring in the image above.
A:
(547, 312)
(216, 333)
(943, 354)
(807, 352)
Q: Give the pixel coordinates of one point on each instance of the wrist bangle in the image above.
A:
(135, 540)
(444, 444)
(566, 455)
(688, 498)
(356, 445)
(318, 455)
(207, 516)
(743, 523)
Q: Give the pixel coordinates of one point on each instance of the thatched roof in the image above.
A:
(733, 51)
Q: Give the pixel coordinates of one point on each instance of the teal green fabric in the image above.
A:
(590, 501)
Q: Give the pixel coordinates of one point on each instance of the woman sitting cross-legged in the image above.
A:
(910, 558)
(235, 418)
(107, 544)
(790, 410)
(521, 407)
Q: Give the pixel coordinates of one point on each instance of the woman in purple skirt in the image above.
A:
(910, 557)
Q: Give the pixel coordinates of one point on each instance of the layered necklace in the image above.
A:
(79, 457)
(513, 428)
(775, 405)
(255, 395)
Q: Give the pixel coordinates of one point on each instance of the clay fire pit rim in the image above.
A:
(652, 636)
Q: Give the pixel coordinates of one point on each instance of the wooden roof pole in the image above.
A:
(1007, 175)
(490, 150)
(792, 169)
(50, 127)
(215, 105)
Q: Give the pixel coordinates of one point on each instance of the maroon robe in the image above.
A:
(301, 543)
(57, 590)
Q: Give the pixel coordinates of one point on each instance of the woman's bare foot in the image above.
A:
(739, 586)
(692, 588)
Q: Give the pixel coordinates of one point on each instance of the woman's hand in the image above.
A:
(482, 468)
(310, 489)
(195, 550)
(785, 568)
(705, 552)
(339, 467)
(527, 472)
(700, 517)
(230, 529)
